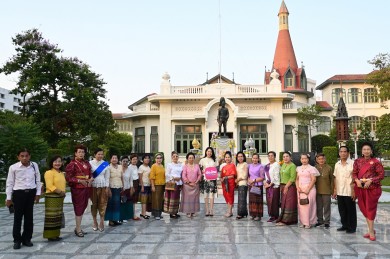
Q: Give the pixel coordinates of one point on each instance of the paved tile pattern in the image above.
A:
(200, 237)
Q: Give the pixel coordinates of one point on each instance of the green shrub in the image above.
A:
(320, 141)
(331, 154)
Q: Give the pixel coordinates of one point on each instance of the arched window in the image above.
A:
(289, 79)
(303, 81)
(370, 95)
(336, 94)
(355, 122)
(372, 120)
(354, 95)
(324, 124)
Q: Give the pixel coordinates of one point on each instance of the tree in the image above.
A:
(380, 77)
(320, 141)
(331, 154)
(308, 116)
(115, 143)
(62, 95)
(17, 135)
(383, 134)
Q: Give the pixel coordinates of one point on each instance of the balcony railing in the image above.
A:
(293, 105)
(145, 107)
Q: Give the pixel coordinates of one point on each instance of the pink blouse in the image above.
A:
(304, 175)
(191, 174)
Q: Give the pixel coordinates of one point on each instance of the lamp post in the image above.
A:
(355, 138)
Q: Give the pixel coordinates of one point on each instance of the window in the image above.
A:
(258, 133)
(154, 139)
(139, 140)
(354, 95)
(2, 96)
(1, 105)
(184, 135)
(16, 108)
(370, 95)
(288, 138)
(303, 138)
(336, 94)
(355, 122)
(17, 100)
(303, 81)
(324, 125)
(373, 121)
(289, 79)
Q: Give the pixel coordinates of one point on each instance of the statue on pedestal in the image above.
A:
(223, 116)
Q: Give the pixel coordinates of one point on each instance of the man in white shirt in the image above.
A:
(344, 193)
(24, 186)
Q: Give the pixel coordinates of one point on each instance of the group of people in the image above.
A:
(114, 188)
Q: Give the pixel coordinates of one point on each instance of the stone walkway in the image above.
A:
(200, 237)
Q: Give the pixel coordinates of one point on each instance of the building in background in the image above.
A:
(10, 102)
(174, 117)
(361, 101)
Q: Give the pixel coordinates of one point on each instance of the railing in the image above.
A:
(249, 89)
(293, 105)
(145, 107)
(187, 90)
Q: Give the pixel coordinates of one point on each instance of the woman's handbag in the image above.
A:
(304, 201)
(226, 183)
(255, 190)
(170, 186)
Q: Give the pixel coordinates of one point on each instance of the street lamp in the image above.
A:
(355, 138)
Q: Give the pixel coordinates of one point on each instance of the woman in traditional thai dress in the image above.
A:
(242, 183)
(306, 180)
(127, 207)
(113, 211)
(255, 182)
(368, 173)
(136, 186)
(288, 192)
(157, 181)
(190, 195)
(172, 197)
(100, 188)
(79, 178)
(228, 177)
(271, 184)
(208, 187)
(145, 195)
(54, 200)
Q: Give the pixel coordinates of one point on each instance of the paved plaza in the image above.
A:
(200, 237)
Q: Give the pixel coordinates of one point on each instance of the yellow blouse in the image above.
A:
(54, 180)
(157, 173)
(115, 176)
(242, 172)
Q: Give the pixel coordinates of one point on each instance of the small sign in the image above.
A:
(211, 173)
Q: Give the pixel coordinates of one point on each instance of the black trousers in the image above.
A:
(347, 210)
(24, 205)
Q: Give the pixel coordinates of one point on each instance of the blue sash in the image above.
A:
(100, 169)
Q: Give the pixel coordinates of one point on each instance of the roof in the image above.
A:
(283, 8)
(284, 57)
(116, 116)
(346, 78)
(140, 101)
(341, 113)
(324, 105)
(215, 80)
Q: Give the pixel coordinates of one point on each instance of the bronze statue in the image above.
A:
(223, 116)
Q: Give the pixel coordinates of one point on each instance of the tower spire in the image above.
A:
(283, 16)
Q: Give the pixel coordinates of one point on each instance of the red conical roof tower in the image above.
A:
(292, 77)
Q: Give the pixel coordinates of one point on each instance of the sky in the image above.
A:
(132, 43)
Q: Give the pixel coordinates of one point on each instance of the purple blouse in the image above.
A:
(256, 171)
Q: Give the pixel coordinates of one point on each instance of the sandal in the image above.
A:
(79, 234)
(239, 217)
(136, 218)
(144, 216)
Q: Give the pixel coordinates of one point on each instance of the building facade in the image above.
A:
(361, 101)
(174, 117)
(10, 102)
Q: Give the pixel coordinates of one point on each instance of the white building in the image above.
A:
(172, 118)
(9, 101)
